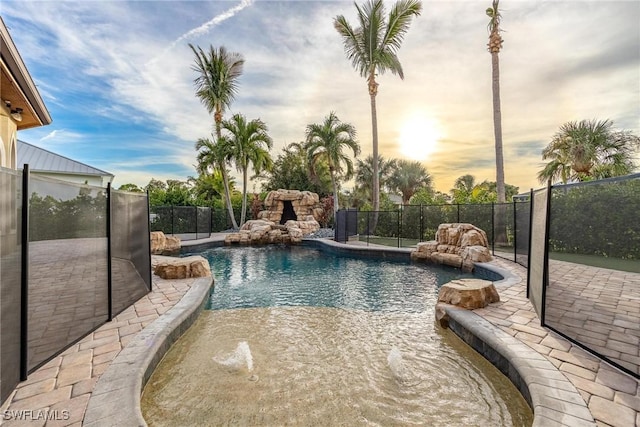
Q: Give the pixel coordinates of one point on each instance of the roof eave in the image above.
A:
(11, 57)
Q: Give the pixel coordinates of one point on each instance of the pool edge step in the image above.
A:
(552, 397)
(115, 400)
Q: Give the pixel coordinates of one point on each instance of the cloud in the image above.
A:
(51, 135)
(106, 66)
(205, 28)
(59, 136)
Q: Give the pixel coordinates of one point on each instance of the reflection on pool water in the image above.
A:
(295, 336)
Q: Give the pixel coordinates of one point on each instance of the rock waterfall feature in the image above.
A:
(458, 245)
(289, 216)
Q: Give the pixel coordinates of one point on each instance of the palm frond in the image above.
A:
(399, 20)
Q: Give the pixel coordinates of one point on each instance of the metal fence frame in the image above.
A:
(578, 310)
(410, 224)
(127, 246)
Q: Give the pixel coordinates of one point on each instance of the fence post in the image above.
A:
(515, 233)
(421, 225)
(109, 266)
(368, 229)
(493, 229)
(24, 277)
(149, 229)
(529, 243)
(458, 206)
(545, 270)
(399, 224)
(196, 208)
(172, 220)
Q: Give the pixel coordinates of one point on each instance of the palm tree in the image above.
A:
(215, 156)
(463, 189)
(250, 145)
(364, 173)
(589, 149)
(217, 86)
(372, 49)
(408, 177)
(495, 44)
(327, 142)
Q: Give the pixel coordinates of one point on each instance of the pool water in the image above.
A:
(275, 276)
(294, 336)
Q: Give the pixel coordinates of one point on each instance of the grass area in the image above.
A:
(631, 265)
(388, 241)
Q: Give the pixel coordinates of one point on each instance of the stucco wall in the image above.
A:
(8, 131)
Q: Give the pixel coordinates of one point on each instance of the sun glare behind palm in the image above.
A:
(419, 137)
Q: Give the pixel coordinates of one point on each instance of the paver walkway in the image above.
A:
(597, 306)
(61, 388)
(612, 396)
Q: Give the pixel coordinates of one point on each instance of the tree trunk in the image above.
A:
(225, 178)
(227, 195)
(334, 184)
(244, 196)
(375, 184)
(497, 126)
(500, 213)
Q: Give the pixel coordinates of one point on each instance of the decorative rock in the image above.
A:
(162, 244)
(158, 240)
(261, 231)
(458, 245)
(468, 293)
(181, 268)
(473, 254)
(304, 203)
(441, 315)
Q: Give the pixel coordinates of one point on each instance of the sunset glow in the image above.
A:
(419, 137)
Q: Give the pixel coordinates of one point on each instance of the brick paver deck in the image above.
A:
(599, 307)
(612, 396)
(62, 387)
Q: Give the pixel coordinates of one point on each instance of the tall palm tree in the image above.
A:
(215, 156)
(372, 49)
(495, 44)
(250, 145)
(589, 149)
(327, 142)
(408, 177)
(216, 86)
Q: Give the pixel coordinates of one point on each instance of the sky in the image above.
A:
(117, 79)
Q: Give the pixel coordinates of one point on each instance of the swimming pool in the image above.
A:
(300, 337)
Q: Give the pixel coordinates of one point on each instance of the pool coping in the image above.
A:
(115, 400)
(553, 399)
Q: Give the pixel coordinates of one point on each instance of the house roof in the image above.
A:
(17, 87)
(42, 160)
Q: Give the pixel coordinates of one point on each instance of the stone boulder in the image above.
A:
(180, 268)
(457, 245)
(304, 204)
(465, 293)
(468, 293)
(260, 231)
(162, 244)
